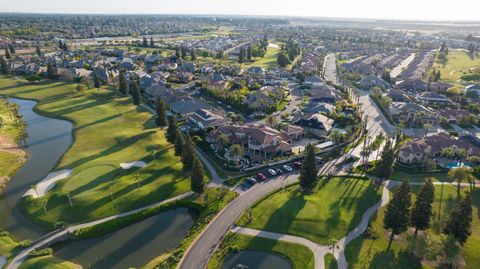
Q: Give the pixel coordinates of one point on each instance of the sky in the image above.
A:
(378, 9)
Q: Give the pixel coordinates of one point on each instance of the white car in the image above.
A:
(287, 168)
(272, 172)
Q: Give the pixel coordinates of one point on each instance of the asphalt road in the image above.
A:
(330, 68)
(200, 251)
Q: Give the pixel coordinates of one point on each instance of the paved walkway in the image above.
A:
(61, 234)
(319, 251)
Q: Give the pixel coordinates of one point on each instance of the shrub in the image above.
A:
(40, 252)
(25, 243)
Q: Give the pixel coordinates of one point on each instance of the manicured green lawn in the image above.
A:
(366, 253)
(300, 256)
(9, 163)
(48, 262)
(400, 175)
(267, 61)
(8, 247)
(335, 208)
(108, 130)
(459, 63)
(330, 262)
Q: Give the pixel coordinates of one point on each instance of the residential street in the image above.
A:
(330, 68)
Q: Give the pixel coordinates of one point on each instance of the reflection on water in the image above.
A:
(255, 260)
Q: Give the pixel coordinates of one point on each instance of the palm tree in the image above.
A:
(332, 243)
(459, 175)
(236, 151)
(336, 136)
(271, 121)
(222, 140)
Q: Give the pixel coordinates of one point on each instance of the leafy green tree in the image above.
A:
(397, 214)
(188, 154)
(161, 109)
(38, 50)
(179, 142)
(33, 78)
(309, 172)
(459, 175)
(4, 66)
(197, 181)
(122, 83)
(236, 151)
(135, 92)
(460, 223)
(422, 209)
(172, 129)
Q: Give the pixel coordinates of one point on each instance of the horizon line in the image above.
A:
(249, 15)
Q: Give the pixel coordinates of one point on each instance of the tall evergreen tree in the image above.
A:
(161, 109)
(3, 65)
(188, 154)
(51, 73)
(179, 142)
(384, 167)
(197, 182)
(460, 223)
(193, 54)
(172, 129)
(152, 43)
(97, 82)
(177, 52)
(122, 83)
(8, 55)
(183, 51)
(241, 55)
(12, 48)
(397, 214)
(422, 209)
(309, 172)
(38, 50)
(135, 92)
(249, 52)
(145, 42)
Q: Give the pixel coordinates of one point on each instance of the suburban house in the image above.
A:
(256, 71)
(260, 142)
(475, 88)
(439, 86)
(453, 115)
(433, 98)
(412, 113)
(324, 93)
(397, 96)
(412, 85)
(187, 106)
(316, 124)
(264, 99)
(371, 81)
(313, 80)
(318, 107)
(203, 118)
(417, 152)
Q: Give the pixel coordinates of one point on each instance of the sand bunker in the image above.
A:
(48, 182)
(133, 164)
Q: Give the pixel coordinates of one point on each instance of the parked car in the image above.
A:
(297, 164)
(248, 183)
(272, 172)
(261, 177)
(287, 168)
(320, 160)
(279, 171)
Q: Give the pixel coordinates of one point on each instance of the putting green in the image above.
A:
(92, 181)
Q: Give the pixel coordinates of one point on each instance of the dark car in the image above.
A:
(279, 172)
(297, 164)
(261, 177)
(248, 183)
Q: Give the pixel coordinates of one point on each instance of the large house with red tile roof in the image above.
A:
(417, 152)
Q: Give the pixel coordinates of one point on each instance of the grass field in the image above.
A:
(108, 130)
(267, 61)
(335, 208)
(300, 256)
(47, 262)
(363, 253)
(400, 175)
(459, 63)
(11, 158)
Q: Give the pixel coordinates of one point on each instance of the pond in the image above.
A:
(255, 260)
(132, 246)
(47, 141)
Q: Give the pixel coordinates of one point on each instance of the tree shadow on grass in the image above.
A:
(475, 194)
(282, 218)
(124, 143)
(392, 260)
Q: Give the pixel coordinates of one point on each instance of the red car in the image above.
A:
(261, 177)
